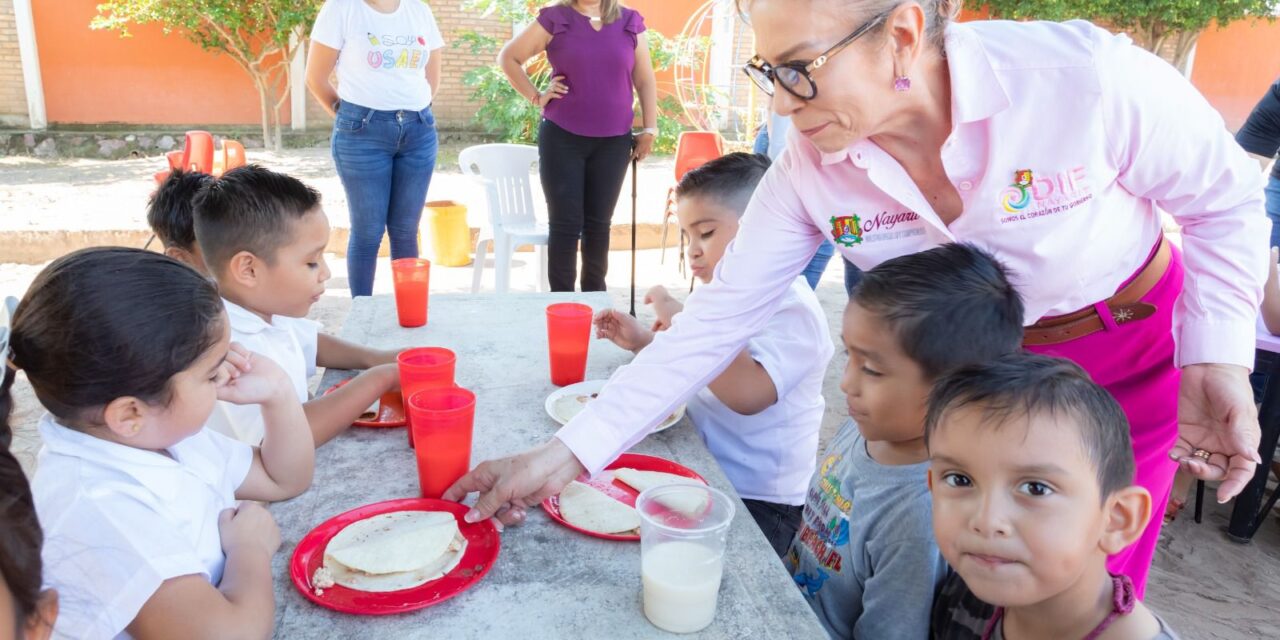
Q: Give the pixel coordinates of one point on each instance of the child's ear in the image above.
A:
(124, 416)
(40, 625)
(1126, 514)
(244, 269)
(177, 253)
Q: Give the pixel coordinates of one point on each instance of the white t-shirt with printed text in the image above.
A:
(382, 57)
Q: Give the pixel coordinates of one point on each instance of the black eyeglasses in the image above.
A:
(795, 76)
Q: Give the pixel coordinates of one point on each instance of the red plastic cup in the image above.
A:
(412, 277)
(442, 419)
(424, 368)
(568, 335)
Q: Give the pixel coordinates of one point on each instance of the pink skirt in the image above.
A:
(1134, 362)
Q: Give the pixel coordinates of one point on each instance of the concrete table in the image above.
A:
(549, 581)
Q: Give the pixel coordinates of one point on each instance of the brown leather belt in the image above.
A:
(1125, 306)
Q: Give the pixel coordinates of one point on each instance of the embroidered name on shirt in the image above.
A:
(854, 230)
(1032, 197)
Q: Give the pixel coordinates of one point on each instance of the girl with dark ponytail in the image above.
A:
(128, 351)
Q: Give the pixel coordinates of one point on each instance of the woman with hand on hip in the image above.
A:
(387, 55)
(1054, 147)
(598, 55)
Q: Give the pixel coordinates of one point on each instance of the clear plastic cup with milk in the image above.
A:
(682, 534)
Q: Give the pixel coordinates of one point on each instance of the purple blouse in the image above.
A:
(596, 66)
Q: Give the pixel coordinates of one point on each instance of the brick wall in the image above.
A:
(13, 93)
(452, 108)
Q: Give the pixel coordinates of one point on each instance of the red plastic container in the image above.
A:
(412, 279)
(568, 336)
(424, 368)
(442, 419)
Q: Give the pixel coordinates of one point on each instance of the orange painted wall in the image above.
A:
(97, 77)
(667, 17)
(1235, 65)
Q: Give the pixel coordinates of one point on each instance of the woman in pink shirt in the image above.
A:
(1054, 146)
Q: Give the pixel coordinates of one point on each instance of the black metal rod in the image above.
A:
(634, 164)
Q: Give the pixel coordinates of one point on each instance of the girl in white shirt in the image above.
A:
(128, 351)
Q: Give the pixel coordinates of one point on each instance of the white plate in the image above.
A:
(558, 402)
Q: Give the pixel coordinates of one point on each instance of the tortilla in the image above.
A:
(586, 507)
(690, 504)
(378, 583)
(395, 551)
(570, 405)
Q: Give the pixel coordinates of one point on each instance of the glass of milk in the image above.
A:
(682, 534)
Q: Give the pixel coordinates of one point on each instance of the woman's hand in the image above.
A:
(622, 330)
(643, 147)
(1216, 415)
(556, 90)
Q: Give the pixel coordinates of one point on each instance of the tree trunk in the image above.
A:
(1186, 41)
(264, 103)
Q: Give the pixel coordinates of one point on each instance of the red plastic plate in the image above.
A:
(390, 410)
(619, 490)
(482, 552)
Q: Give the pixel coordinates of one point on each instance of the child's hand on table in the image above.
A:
(664, 306)
(248, 378)
(248, 527)
(622, 330)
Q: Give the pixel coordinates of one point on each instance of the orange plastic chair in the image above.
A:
(232, 155)
(693, 149)
(197, 152)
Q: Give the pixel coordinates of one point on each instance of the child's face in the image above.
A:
(193, 393)
(886, 390)
(294, 281)
(710, 227)
(1016, 506)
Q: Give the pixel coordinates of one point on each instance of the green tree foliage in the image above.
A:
(1153, 24)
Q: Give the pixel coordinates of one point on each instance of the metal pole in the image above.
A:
(634, 164)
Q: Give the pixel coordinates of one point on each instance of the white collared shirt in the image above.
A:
(770, 456)
(1066, 142)
(119, 521)
(289, 342)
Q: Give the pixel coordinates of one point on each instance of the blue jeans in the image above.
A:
(813, 272)
(1273, 209)
(385, 160)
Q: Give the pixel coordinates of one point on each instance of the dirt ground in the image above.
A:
(1203, 584)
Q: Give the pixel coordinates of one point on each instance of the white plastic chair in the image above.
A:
(504, 169)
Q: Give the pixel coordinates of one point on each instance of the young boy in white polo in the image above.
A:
(263, 236)
(760, 417)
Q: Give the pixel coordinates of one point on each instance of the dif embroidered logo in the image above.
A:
(1018, 195)
(1031, 197)
(846, 230)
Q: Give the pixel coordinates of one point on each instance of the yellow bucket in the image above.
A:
(450, 235)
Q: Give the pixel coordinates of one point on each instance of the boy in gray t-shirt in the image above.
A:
(865, 557)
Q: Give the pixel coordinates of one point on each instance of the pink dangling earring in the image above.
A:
(902, 84)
